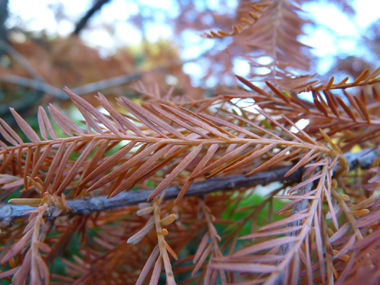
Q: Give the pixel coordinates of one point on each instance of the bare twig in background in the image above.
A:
(114, 81)
(59, 94)
(82, 23)
(37, 81)
(35, 84)
(21, 60)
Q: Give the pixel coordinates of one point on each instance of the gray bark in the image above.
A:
(363, 159)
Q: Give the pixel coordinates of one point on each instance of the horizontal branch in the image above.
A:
(100, 203)
(88, 205)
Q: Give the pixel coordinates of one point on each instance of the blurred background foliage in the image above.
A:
(110, 45)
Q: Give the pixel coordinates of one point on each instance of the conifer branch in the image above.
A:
(86, 206)
(362, 159)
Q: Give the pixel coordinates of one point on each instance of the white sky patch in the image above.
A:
(212, 81)
(301, 124)
(321, 39)
(38, 15)
(156, 31)
(170, 80)
(65, 28)
(214, 4)
(241, 67)
(248, 105)
(118, 10)
(306, 96)
(265, 190)
(190, 52)
(337, 33)
(265, 60)
(73, 7)
(195, 70)
(99, 38)
(162, 4)
(348, 44)
(330, 17)
(367, 11)
(128, 34)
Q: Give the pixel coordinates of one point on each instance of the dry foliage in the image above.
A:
(326, 231)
